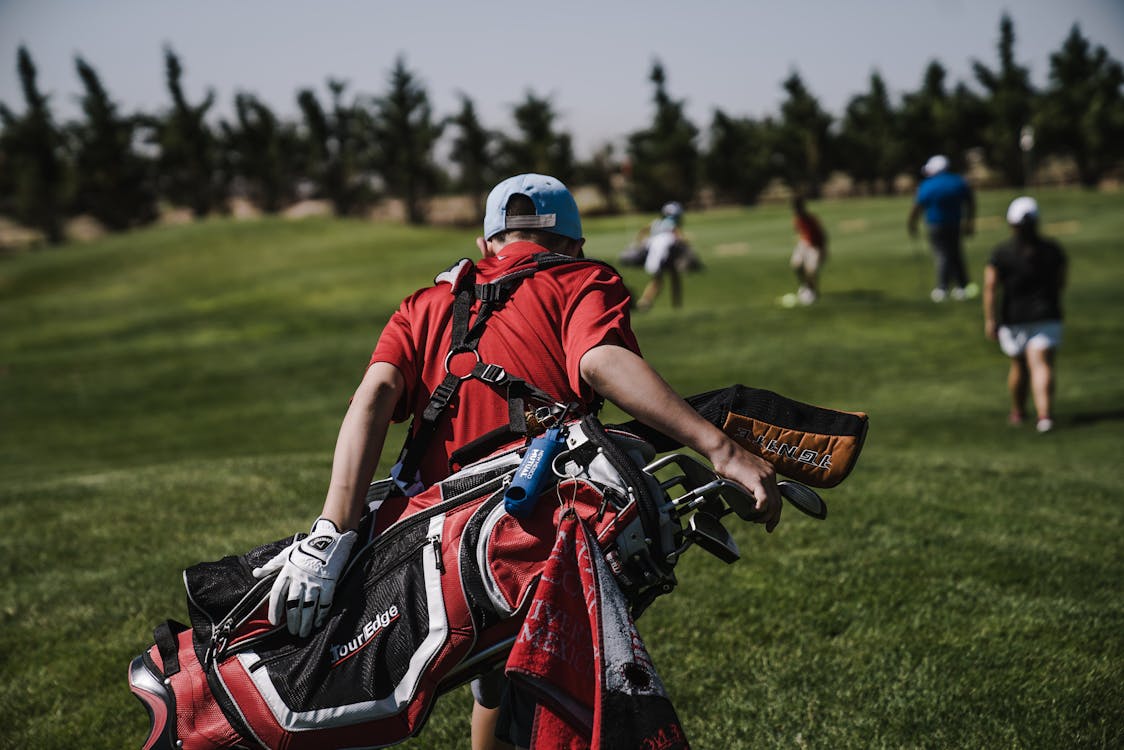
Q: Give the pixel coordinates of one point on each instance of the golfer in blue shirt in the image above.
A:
(950, 209)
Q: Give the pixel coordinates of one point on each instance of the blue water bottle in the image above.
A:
(523, 492)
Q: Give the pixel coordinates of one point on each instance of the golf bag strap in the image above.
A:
(646, 505)
(421, 433)
(165, 636)
(466, 335)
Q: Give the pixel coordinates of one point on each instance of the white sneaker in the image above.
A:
(938, 295)
(806, 295)
(959, 294)
(1045, 425)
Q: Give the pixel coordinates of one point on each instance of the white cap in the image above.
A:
(938, 163)
(1022, 209)
(673, 209)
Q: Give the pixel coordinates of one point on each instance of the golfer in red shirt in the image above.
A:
(810, 252)
(565, 330)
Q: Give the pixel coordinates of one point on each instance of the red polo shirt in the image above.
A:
(810, 230)
(551, 320)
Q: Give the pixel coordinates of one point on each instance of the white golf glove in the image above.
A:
(307, 579)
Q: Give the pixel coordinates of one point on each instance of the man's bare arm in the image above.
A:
(991, 281)
(360, 443)
(914, 215)
(632, 384)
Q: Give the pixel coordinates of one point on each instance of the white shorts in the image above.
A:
(1015, 339)
(660, 247)
(806, 257)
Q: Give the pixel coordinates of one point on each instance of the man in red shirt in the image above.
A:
(810, 252)
(565, 329)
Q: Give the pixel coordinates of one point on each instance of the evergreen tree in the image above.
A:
(737, 163)
(337, 154)
(933, 121)
(967, 119)
(261, 153)
(1009, 103)
(869, 148)
(189, 166)
(111, 179)
(600, 172)
(538, 147)
(405, 136)
(32, 149)
(1082, 109)
(924, 120)
(804, 138)
(473, 151)
(664, 157)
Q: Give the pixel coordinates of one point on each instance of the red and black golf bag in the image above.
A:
(434, 597)
(440, 589)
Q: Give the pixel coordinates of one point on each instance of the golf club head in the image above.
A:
(734, 498)
(804, 498)
(708, 532)
(702, 486)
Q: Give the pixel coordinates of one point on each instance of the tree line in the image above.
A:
(353, 149)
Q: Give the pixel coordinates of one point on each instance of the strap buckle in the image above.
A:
(490, 292)
(443, 393)
(491, 374)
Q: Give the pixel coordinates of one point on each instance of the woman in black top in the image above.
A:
(1026, 318)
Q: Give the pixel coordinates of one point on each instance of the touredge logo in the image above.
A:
(371, 628)
(792, 452)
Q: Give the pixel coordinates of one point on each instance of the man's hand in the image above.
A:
(755, 474)
(306, 581)
(621, 376)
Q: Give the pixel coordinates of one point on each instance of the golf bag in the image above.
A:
(440, 586)
(684, 256)
(434, 597)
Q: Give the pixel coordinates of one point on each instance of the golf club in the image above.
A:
(702, 486)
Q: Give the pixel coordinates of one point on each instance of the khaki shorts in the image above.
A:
(806, 258)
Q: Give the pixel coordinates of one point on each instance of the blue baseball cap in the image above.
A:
(556, 210)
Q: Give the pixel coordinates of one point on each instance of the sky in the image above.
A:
(591, 58)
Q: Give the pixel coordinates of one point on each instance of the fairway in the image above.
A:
(172, 395)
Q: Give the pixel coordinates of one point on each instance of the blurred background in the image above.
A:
(209, 209)
(119, 114)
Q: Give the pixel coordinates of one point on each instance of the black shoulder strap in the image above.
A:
(466, 335)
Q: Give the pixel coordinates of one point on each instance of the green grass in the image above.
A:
(172, 395)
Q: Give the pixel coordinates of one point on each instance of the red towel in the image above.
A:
(580, 655)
